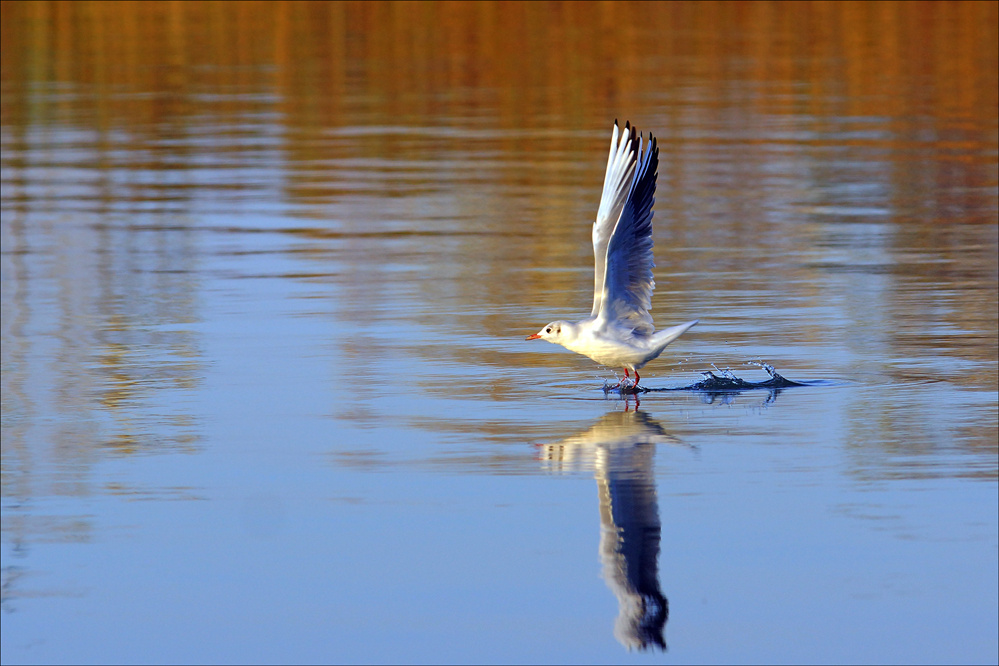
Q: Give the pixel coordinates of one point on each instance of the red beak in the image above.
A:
(533, 337)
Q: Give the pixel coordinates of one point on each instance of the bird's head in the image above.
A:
(556, 332)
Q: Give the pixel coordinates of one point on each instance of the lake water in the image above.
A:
(267, 270)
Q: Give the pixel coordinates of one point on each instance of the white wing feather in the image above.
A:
(622, 234)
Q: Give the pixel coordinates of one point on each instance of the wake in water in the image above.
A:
(715, 385)
(727, 381)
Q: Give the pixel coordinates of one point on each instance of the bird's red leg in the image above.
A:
(634, 383)
(637, 379)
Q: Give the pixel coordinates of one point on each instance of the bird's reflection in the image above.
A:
(620, 448)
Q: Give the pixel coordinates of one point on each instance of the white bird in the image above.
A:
(619, 331)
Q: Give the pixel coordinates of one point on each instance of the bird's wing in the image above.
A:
(622, 234)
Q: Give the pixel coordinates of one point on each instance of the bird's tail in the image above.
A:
(663, 338)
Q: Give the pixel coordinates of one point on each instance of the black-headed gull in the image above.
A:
(619, 331)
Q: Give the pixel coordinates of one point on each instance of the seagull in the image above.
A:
(619, 331)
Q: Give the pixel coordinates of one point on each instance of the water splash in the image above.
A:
(725, 381)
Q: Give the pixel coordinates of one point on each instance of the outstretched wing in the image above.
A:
(622, 234)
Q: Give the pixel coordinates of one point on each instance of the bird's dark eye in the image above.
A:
(548, 330)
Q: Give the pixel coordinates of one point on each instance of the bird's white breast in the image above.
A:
(612, 348)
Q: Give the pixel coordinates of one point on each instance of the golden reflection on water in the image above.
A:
(528, 64)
